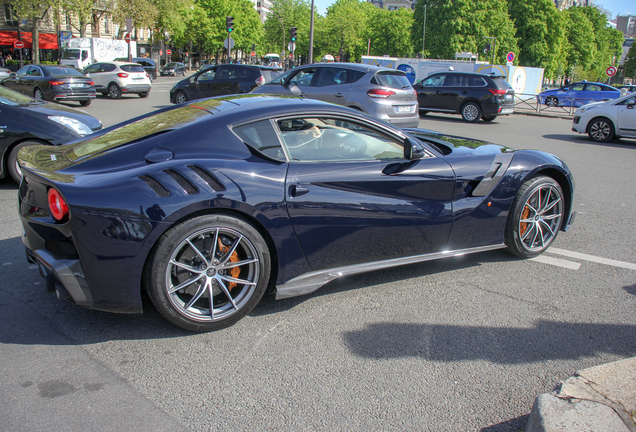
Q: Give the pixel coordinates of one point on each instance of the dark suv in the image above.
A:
(221, 80)
(473, 95)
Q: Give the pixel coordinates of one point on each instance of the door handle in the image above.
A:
(297, 190)
(338, 95)
(302, 94)
(438, 92)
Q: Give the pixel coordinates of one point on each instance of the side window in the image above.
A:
(92, 69)
(476, 81)
(24, 71)
(105, 67)
(628, 100)
(453, 80)
(354, 75)
(593, 87)
(434, 81)
(303, 77)
(577, 87)
(84, 55)
(331, 139)
(281, 78)
(333, 76)
(227, 73)
(262, 137)
(208, 75)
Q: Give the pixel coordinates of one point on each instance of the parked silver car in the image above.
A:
(113, 79)
(383, 93)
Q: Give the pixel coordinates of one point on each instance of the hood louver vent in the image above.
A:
(155, 185)
(187, 186)
(209, 178)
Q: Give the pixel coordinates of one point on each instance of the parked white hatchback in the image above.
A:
(603, 121)
(113, 79)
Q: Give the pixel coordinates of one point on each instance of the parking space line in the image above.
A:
(592, 258)
(556, 262)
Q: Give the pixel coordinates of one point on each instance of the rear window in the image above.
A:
(63, 71)
(132, 68)
(501, 83)
(391, 80)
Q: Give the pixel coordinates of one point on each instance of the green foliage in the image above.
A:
(285, 15)
(630, 62)
(389, 32)
(454, 26)
(346, 24)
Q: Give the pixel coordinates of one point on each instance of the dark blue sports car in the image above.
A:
(208, 205)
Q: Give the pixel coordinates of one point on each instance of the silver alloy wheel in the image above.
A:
(180, 98)
(470, 112)
(37, 94)
(540, 218)
(212, 274)
(551, 101)
(113, 91)
(600, 130)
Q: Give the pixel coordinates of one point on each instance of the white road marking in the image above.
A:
(557, 262)
(592, 258)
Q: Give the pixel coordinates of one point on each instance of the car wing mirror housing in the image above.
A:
(412, 149)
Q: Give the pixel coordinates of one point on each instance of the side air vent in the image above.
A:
(209, 178)
(188, 187)
(155, 185)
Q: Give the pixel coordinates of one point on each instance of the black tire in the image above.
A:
(86, 102)
(551, 101)
(471, 112)
(221, 241)
(12, 167)
(37, 94)
(180, 97)
(600, 130)
(114, 92)
(535, 217)
(423, 113)
(151, 78)
(143, 95)
(488, 118)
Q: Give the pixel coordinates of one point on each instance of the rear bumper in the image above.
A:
(76, 97)
(136, 88)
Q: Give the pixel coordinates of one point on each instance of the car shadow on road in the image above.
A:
(583, 139)
(512, 425)
(453, 118)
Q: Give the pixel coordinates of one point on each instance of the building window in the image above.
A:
(68, 23)
(9, 16)
(106, 25)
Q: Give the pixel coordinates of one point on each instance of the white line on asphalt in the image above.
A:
(557, 262)
(592, 258)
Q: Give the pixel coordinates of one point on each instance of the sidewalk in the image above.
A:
(600, 398)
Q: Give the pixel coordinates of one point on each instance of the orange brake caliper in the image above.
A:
(524, 215)
(234, 271)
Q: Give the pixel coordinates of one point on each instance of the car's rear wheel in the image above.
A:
(114, 92)
(488, 118)
(180, 97)
(535, 217)
(143, 95)
(208, 272)
(600, 130)
(86, 102)
(12, 160)
(471, 112)
(37, 94)
(551, 101)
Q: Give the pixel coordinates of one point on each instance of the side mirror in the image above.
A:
(566, 89)
(412, 150)
(631, 102)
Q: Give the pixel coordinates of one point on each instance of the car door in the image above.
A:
(574, 95)
(95, 72)
(16, 82)
(228, 80)
(333, 84)
(31, 80)
(352, 197)
(200, 85)
(626, 117)
(429, 91)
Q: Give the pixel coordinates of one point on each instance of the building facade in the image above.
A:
(394, 4)
(627, 25)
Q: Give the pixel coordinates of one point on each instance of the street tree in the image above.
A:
(34, 11)
(390, 32)
(85, 12)
(580, 52)
(541, 35)
(630, 63)
(608, 41)
(347, 28)
(284, 15)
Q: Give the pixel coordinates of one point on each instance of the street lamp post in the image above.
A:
(311, 34)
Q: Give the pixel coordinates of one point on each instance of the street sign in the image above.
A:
(169, 52)
(337, 58)
(291, 46)
(18, 44)
(510, 57)
(127, 38)
(228, 43)
(610, 71)
(253, 53)
(160, 52)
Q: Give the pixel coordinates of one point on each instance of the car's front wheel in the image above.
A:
(600, 130)
(208, 272)
(551, 101)
(471, 112)
(535, 217)
(180, 97)
(114, 92)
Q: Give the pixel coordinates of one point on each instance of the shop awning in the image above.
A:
(47, 40)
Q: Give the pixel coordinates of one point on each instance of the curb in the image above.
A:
(600, 398)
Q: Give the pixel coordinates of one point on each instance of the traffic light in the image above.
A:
(487, 48)
(229, 24)
(292, 34)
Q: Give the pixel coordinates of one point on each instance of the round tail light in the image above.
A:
(57, 206)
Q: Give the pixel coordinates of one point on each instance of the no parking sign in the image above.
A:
(510, 57)
(610, 71)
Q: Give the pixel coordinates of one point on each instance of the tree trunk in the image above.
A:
(35, 50)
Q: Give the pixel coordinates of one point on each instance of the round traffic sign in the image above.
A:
(510, 57)
(18, 44)
(127, 37)
(169, 52)
(253, 53)
(160, 52)
(610, 71)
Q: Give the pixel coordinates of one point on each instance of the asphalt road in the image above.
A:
(461, 344)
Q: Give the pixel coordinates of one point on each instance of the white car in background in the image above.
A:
(603, 121)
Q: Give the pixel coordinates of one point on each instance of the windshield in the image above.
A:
(71, 54)
(13, 98)
(63, 71)
(171, 65)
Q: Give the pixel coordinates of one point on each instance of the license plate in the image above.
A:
(404, 109)
(76, 85)
(508, 96)
(138, 79)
